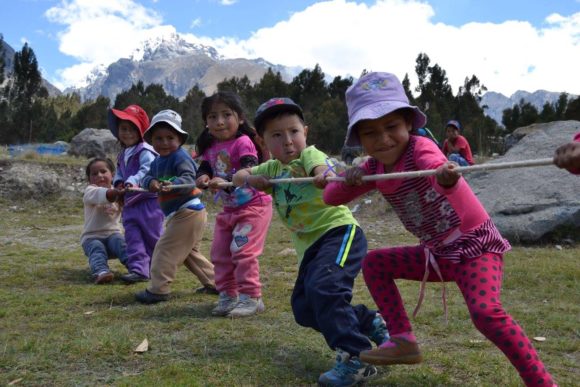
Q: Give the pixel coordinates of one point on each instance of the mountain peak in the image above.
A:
(170, 46)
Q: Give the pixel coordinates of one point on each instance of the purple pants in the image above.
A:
(143, 223)
(479, 280)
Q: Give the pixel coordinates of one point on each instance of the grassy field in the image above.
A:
(57, 328)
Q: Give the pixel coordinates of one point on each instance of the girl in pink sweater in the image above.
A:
(457, 239)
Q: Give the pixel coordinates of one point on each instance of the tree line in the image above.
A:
(28, 114)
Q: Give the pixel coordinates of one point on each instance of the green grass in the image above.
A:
(57, 328)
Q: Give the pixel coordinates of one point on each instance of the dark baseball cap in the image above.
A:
(273, 106)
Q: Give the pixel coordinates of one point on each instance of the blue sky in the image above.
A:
(508, 44)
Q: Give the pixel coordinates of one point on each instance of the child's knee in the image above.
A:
(488, 317)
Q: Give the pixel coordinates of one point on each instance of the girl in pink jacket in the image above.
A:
(458, 241)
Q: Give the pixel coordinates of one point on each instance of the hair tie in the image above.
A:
(330, 168)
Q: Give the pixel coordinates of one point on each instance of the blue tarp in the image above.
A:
(41, 149)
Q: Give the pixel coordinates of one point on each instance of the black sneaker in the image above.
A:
(146, 297)
(132, 278)
(207, 289)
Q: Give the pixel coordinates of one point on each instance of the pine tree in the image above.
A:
(2, 64)
(23, 91)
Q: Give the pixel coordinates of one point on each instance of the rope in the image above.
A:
(396, 175)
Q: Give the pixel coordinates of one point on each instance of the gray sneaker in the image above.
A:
(225, 304)
(348, 371)
(379, 332)
(247, 306)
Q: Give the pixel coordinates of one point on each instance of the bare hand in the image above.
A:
(447, 174)
(154, 186)
(567, 156)
(214, 184)
(165, 186)
(353, 176)
(202, 181)
(321, 180)
(259, 182)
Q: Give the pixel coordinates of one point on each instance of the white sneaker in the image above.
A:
(247, 306)
(225, 304)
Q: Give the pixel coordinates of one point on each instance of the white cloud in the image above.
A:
(344, 37)
(228, 2)
(100, 32)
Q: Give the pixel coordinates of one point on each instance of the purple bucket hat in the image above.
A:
(373, 96)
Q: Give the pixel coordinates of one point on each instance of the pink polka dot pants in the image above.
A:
(479, 280)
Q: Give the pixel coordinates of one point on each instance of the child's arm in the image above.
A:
(567, 156)
(447, 175)
(100, 195)
(244, 176)
(321, 173)
(145, 160)
(338, 192)
(204, 174)
(114, 194)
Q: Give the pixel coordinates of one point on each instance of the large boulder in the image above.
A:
(28, 179)
(94, 143)
(536, 204)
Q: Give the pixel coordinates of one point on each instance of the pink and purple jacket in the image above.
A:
(225, 160)
(450, 222)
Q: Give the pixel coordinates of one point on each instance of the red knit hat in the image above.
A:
(132, 113)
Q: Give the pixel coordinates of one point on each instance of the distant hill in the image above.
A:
(9, 67)
(177, 65)
(497, 102)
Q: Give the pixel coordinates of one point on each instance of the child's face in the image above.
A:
(385, 138)
(451, 132)
(100, 174)
(222, 122)
(285, 137)
(128, 133)
(165, 140)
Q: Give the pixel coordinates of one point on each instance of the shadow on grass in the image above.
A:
(70, 275)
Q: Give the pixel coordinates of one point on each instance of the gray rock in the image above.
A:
(94, 143)
(536, 204)
(23, 179)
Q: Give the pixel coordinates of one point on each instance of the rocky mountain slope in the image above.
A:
(496, 102)
(177, 65)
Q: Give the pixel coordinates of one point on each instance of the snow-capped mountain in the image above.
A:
(170, 46)
(496, 102)
(177, 65)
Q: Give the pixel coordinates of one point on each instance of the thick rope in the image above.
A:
(396, 175)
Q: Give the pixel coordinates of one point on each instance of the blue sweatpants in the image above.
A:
(323, 290)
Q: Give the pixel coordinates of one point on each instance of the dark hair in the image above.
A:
(234, 102)
(107, 161)
(275, 114)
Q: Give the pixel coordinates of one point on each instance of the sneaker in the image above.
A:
(396, 350)
(132, 278)
(348, 371)
(207, 289)
(379, 332)
(247, 306)
(225, 304)
(146, 297)
(103, 277)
